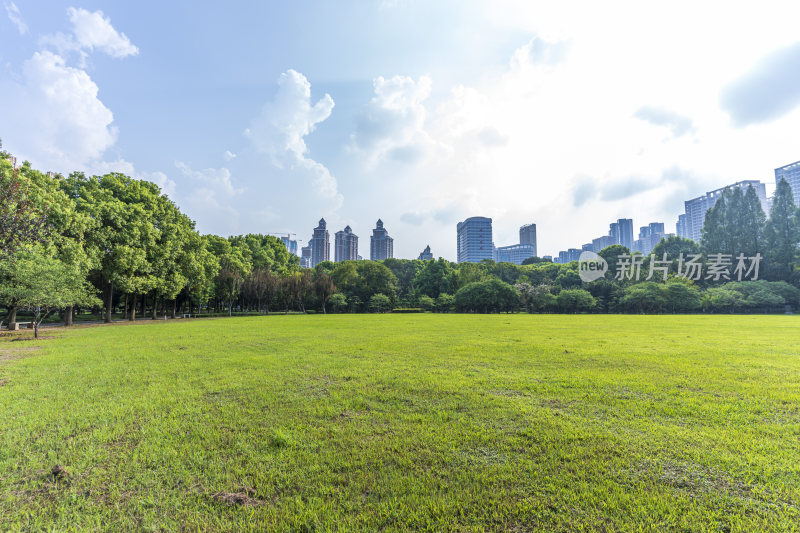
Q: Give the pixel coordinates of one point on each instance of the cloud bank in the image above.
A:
(768, 91)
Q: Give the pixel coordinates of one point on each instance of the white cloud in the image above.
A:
(91, 31)
(282, 126)
(61, 124)
(228, 155)
(768, 91)
(219, 179)
(16, 17)
(392, 125)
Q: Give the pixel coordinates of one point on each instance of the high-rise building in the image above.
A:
(515, 253)
(621, 232)
(696, 207)
(602, 242)
(791, 173)
(680, 227)
(320, 244)
(381, 246)
(474, 240)
(649, 237)
(565, 256)
(305, 256)
(527, 235)
(291, 244)
(426, 254)
(346, 245)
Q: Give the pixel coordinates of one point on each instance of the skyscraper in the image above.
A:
(346, 245)
(621, 232)
(527, 235)
(291, 244)
(791, 173)
(680, 227)
(305, 256)
(474, 240)
(426, 254)
(320, 244)
(649, 237)
(696, 207)
(381, 246)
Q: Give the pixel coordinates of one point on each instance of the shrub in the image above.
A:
(426, 303)
(445, 303)
(723, 299)
(338, 302)
(575, 301)
(380, 303)
(490, 296)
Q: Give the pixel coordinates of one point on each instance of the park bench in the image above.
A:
(186, 315)
(15, 326)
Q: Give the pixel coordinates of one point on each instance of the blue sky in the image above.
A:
(262, 117)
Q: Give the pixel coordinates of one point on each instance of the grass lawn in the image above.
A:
(398, 422)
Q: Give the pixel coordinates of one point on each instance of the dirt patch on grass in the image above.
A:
(59, 473)
(42, 484)
(3, 382)
(16, 352)
(696, 479)
(244, 498)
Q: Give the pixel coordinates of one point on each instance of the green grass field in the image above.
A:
(405, 422)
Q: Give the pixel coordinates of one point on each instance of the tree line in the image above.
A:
(118, 247)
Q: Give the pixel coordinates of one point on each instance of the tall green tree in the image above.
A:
(735, 224)
(752, 224)
(716, 237)
(782, 233)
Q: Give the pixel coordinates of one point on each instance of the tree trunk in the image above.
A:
(144, 305)
(11, 317)
(109, 301)
(68, 316)
(37, 320)
(125, 309)
(155, 307)
(174, 307)
(133, 309)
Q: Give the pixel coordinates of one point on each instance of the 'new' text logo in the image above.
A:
(591, 266)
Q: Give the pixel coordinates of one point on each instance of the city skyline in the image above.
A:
(620, 232)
